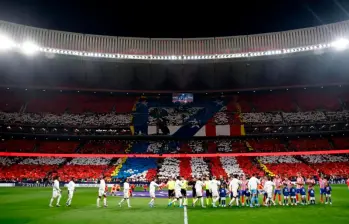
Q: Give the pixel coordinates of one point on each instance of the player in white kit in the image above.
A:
(234, 185)
(198, 189)
(214, 190)
(268, 188)
(126, 194)
(253, 188)
(56, 193)
(102, 192)
(71, 189)
(152, 187)
(178, 194)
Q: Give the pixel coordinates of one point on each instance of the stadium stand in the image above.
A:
(71, 111)
(104, 111)
(17, 146)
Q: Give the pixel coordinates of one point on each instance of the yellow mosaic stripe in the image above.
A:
(242, 126)
(250, 148)
(123, 160)
(118, 167)
(265, 169)
(132, 127)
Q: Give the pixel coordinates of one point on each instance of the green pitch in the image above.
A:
(30, 205)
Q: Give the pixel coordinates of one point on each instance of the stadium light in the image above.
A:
(29, 48)
(340, 44)
(6, 43)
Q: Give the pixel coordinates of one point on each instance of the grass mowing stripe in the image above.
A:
(30, 205)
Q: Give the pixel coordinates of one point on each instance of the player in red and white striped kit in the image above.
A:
(278, 184)
(243, 187)
(299, 185)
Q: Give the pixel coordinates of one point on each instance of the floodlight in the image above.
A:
(6, 43)
(29, 48)
(341, 44)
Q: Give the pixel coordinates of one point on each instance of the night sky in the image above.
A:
(166, 19)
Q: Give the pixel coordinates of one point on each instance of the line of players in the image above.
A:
(248, 190)
(102, 192)
(217, 191)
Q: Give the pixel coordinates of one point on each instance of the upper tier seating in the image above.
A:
(17, 146)
(267, 145)
(42, 161)
(174, 115)
(57, 147)
(10, 101)
(104, 147)
(79, 103)
(309, 144)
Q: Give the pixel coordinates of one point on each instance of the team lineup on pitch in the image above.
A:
(238, 189)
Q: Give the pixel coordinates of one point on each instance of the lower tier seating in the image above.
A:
(145, 169)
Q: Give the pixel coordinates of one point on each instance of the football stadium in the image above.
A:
(246, 129)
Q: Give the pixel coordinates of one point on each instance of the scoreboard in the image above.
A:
(182, 98)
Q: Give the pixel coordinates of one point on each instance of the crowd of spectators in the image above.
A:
(42, 161)
(277, 159)
(104, 147)
(224, 146)
(155, 147)
(7, 161)
(262, 118)
(324, 158)
(304, 117)
(66, 119)
(89, 161)
(173, 116)
(197, 146)
(90, 169)
(230, 165)
(281, 144)
(169, 168)
(199, 167)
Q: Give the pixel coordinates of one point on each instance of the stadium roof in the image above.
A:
(38, 57)
(174, 19)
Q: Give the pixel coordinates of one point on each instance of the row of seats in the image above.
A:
(306, 100)
(68, 120)
(199, 146)
(328, 98)
(282, 117)
(92, 146)
(218, 146)
(60, 103)
(173, 115)
(122, 120)
(104, 147)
